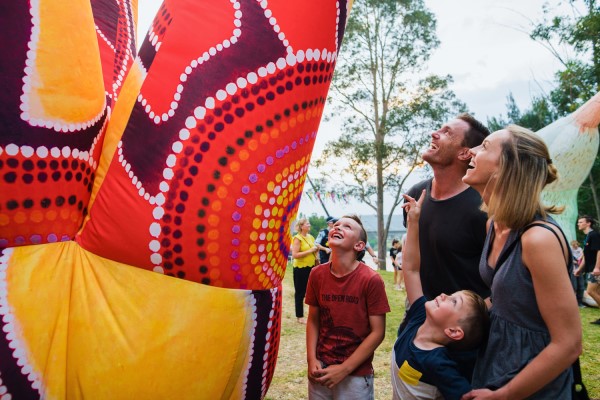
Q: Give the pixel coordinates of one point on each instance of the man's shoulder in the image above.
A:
(472, 193)
(418, 187)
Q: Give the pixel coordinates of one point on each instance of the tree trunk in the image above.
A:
(381, 232)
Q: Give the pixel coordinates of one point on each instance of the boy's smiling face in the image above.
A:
(446, 310)
(346, 234)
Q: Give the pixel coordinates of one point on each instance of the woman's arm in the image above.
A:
(545, 259)
(296, 253)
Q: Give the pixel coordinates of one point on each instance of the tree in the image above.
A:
(541, 114)
(316, 224)
(389, 106)
(580, 79)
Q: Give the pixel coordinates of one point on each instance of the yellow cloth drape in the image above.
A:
(84, 325)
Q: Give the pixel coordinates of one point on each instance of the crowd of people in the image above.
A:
(492, 283)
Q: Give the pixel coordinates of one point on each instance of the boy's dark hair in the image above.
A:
(476, 133)
(475, 325)
(363, 232)
(588, 219)
(363, 235)
(394, 241)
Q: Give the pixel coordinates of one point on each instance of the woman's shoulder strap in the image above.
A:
(545, 224)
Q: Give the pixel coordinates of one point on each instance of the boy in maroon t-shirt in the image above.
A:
(346, 318)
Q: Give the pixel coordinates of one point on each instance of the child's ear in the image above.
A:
(455, 333)
(360, 246)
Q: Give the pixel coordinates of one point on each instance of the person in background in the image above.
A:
(323, 240)
(368, 249)
(396, 262)
(578, 281)
(591, 259)
(304, 258)
(346, 318)
(535, 331)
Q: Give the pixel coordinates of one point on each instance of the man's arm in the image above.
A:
(577, 271)
(372, 254)
(393, 259)
(320, 236)
(334, 374)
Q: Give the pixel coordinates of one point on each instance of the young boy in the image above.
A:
(397, 263)
(346, 318)
(421, 366)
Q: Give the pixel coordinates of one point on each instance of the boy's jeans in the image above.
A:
(351, 388)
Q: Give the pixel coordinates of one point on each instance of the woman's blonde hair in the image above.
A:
(299, 224)
(525, 169)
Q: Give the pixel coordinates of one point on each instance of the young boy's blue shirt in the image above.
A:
(420, 372)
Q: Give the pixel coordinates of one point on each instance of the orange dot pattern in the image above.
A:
(226, 227)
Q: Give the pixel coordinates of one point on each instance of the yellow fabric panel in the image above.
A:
(116, 126)
(408, 374)
(90, 327)
(66, 61)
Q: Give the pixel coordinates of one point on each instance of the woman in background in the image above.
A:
(304, 255)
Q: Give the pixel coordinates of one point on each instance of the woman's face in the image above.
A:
(305, 227)
(485, 161)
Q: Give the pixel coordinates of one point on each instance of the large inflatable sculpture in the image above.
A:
(573, 144)
(146, 198)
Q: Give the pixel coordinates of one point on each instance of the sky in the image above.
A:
(484, 48)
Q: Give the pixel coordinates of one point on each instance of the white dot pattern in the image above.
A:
(11, 328)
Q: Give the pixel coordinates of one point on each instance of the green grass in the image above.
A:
(289, 381)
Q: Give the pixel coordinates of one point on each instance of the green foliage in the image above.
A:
(316, 224)
(541, 114)
(580, 78)
(389, 106)
(573, 37)
(576, 84)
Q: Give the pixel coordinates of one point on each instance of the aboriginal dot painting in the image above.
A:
(56, 96)
(228, 120)
(147, 196)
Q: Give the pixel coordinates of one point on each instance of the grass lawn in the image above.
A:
(290, 382)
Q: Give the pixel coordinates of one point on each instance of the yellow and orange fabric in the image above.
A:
(146, 197)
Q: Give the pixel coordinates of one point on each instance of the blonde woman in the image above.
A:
(304, 255)
(535, 332)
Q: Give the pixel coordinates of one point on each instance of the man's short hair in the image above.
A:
(589, 219)
(476, 133)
